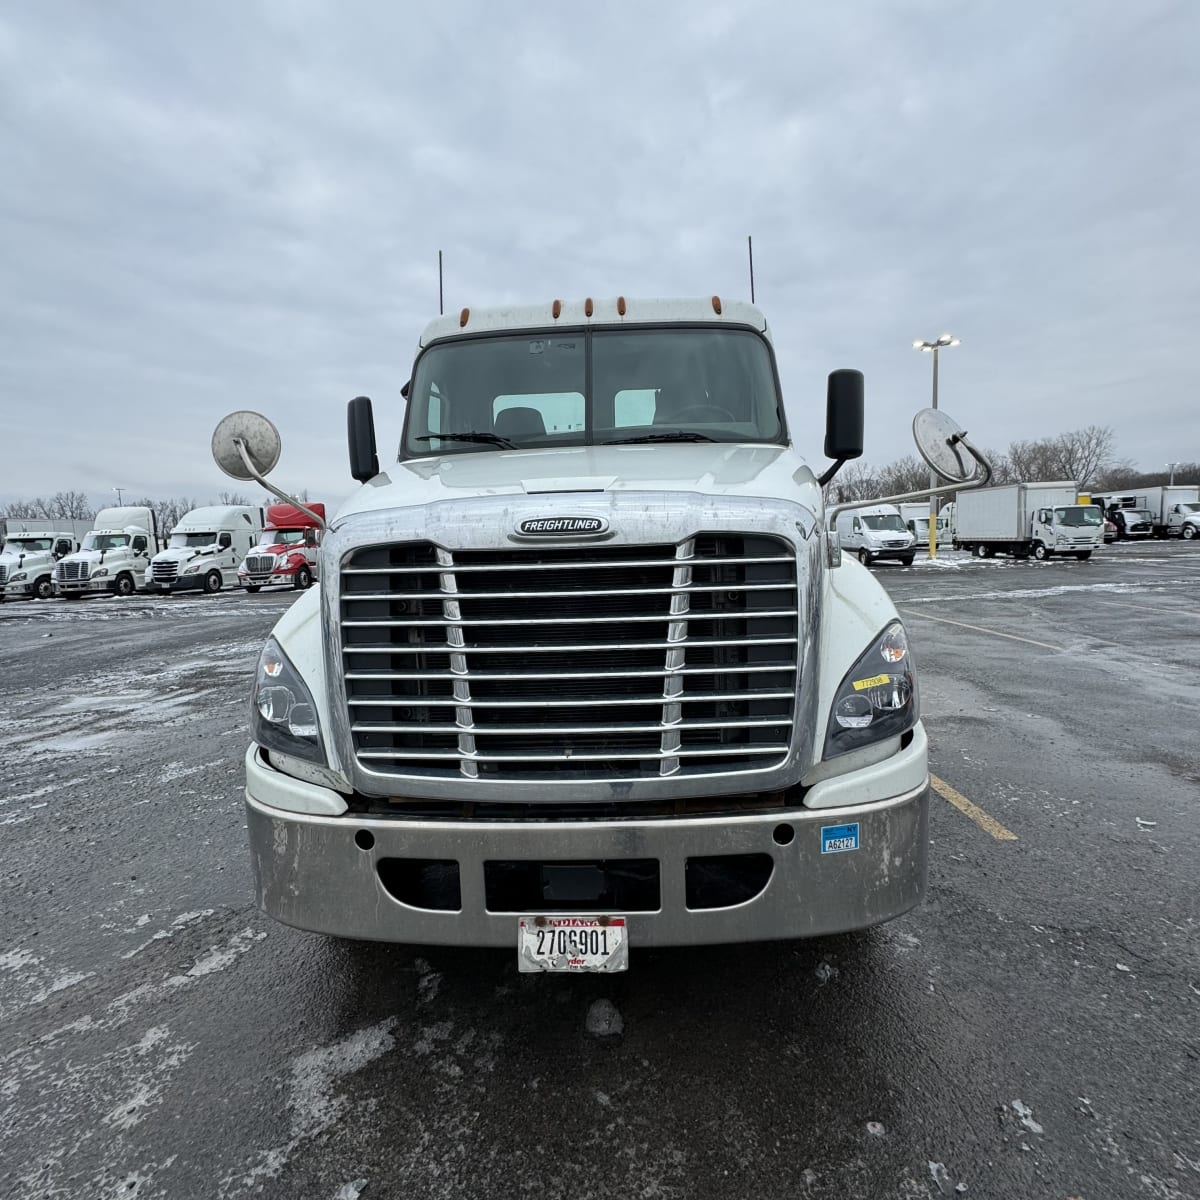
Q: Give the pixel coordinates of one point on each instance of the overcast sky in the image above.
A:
(214, 206)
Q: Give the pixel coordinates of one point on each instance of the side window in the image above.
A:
(62, 548)
(139, 544)
(225, 541)
(857, 525)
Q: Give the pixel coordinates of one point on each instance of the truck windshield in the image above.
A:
(105, 541)
(1078, 515)
(593, 387)
(888, 521)
(282, 537)
(27, 545)
(180, 541)
(1189, 507)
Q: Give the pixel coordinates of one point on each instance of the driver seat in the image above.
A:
(515, 423)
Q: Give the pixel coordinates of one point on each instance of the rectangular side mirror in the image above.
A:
(360, 432)
(844, 415)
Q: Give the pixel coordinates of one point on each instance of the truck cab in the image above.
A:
(205, 549)
(286, 554)
(114, 555)
(1183, 520)
(27, 562)
(587, 668)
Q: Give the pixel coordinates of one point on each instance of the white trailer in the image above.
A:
(1174, 510)
(205, 548)
(114, 554)
(1042, 519)
(31, 547)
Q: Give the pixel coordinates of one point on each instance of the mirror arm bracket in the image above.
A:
(977, 481)
(831, 471)
(282, 495)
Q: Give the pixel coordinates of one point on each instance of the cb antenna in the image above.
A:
(441, 297)
(750, 249)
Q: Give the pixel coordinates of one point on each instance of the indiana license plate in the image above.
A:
(566, 943)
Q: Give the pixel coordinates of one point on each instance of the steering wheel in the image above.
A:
(702, 412)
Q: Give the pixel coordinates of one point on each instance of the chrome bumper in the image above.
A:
(310, 872)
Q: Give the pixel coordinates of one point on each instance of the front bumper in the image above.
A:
(85, 586)
(276, 580)
(310, 871)
(181, 583)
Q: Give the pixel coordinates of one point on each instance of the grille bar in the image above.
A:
(575, 649)
(430, 702)
(568, 756)
(550, 594)
(557, 676)
(583, 620)
(572, 566)
(422, 727)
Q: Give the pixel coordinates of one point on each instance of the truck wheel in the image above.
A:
(981, 551)
(1083, 555)
(907, 560)
(1040, 552)
(43, 589)
(303, 578)
(253, 587)
(124, 585)
(864, 557)
(212, 582)
(72, 595)
(1188, 532)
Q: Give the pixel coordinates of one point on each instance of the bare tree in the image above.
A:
(233, 498)
(73, 506)
(857, 481)
(908, 474)
(1084, 453)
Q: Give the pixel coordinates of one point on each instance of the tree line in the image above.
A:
(1087, 456)
(75, 506)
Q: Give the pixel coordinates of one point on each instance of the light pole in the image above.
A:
(118, 491)
(1171, 467)
(947, 339)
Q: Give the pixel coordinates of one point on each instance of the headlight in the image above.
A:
(878, 698)
(282, 714)
(99, 571)
(193, 569)
(281, 561)
(19, 577)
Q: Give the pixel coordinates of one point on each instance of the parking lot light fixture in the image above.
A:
(925, 346)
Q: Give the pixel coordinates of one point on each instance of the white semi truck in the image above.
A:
(1174, 510)
(1042, 519)
(113, 557)
(205, 549)
(587, 668)
(31, 547)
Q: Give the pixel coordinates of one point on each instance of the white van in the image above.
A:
(205, 548)
(876, 532)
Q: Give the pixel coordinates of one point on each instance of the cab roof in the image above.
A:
(600, 313)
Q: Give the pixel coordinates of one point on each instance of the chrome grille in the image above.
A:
(260, 564)
(3, 574)
(164, 572)
(72, 570)
(617, 662)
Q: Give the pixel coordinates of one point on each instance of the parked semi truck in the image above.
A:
(1042, 519)
(587, 667)
(31, 547)
(286, 553)
(1174, 511)
(205, 549)
(113, 557)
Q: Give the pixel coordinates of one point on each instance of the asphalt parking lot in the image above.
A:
(1030, 1031)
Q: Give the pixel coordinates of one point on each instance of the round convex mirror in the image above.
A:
(257, 434)
(934, 433)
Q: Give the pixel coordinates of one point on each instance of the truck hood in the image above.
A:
(180, 555)
(93, 556)
(13, 560)
(707, 468)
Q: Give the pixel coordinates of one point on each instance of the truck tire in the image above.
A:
(124, 585)
(212, 582)
(864, 556)
(1083, 555)
(253, 587)
(907, 560)
(43, 589)
(982, 551)
(1188, 532)
(303, 578)
(72, 595)
(1041, 552)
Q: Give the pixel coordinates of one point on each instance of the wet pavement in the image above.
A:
(1030, 1031)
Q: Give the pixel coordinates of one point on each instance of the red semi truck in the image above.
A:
(287, 551)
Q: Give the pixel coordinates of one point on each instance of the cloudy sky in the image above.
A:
(214, 206)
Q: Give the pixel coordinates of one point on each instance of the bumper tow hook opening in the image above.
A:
(364, 839)
(783, 835)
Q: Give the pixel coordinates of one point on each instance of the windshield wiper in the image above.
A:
(487, 439)
(674, 435)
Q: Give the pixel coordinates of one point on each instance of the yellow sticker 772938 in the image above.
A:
(875, 681)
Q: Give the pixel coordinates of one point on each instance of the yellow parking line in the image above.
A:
(980, 629)
(985, 822)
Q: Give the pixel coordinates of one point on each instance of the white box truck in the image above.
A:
(31, 547)
(205, 549)
(1042, 519)
(113, 557)
(1173, 510)
(916, 521)
(586, 669)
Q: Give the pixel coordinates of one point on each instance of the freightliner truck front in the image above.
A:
(586, 670)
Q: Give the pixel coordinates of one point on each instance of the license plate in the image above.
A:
(567, 943)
